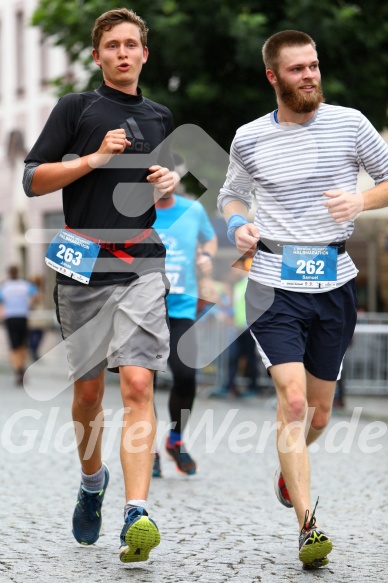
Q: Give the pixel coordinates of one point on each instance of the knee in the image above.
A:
(293, 404)
(320, 419)
(297, 408)
(136, 391)
(88, 395)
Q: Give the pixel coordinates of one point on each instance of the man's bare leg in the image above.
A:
(290, 383)
(139, 534)
(139, 428)
(320, 395)
(88, 420)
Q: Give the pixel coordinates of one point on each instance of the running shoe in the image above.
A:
(156, 468)
(87, 519)
(179, 455)
(281, 489)
(314, 544)
(220, 392)
(138, 536)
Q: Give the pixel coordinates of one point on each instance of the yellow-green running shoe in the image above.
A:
(138, 537)
(314, 544)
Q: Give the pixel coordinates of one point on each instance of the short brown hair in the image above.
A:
(13, 272)
(285, 38)
(110, 19)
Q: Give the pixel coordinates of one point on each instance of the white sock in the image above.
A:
(133, 504)
(93, 483)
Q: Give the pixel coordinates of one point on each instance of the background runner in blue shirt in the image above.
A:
(190, 241)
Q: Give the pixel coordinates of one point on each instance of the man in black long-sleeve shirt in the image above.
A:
(111, 287)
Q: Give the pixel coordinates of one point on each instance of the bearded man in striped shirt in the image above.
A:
(301, 163)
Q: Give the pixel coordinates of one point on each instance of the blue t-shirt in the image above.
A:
(181, 227)
(16, 294)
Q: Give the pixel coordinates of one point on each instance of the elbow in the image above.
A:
(27, 180)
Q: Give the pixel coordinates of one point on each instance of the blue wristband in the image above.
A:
(234, 222)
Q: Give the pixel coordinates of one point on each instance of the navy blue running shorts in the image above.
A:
(313, 328)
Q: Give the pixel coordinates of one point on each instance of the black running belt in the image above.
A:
(277, 246)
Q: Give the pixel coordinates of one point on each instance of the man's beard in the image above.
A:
(297, 101)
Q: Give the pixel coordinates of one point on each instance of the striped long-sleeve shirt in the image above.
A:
(288, 167)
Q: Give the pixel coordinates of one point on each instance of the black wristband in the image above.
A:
(208, 254)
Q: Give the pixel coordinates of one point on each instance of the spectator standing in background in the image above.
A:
(17, 296)
(243, 347)
(37, 323)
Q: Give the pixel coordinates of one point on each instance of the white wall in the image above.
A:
(21, 66)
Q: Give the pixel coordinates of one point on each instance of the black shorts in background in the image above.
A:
(17, 332)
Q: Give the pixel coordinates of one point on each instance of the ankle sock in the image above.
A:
(134, 504)
(93, 483)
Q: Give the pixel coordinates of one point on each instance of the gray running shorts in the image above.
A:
(114, 325)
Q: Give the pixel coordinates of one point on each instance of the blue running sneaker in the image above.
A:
(138, 536)
(87, 519)
(178, 453)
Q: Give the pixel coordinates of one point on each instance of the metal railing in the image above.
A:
(365, 364)
(366, 361)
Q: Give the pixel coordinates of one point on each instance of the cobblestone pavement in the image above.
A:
(225, 524)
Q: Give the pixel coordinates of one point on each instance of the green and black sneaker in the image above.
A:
(314, 544)
(138, 537)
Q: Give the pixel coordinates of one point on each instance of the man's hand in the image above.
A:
(204, 263)
(113, 143)
(246, 238)
(343, 205)
(163, 179)
(53, 176)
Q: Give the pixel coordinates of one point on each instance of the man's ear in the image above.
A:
(145, 54)
(271, 76)
(96, 57)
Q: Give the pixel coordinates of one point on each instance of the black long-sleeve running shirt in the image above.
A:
(117, 195)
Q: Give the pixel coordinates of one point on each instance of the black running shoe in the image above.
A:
(87, 519)
(183, 460)
(314, 544)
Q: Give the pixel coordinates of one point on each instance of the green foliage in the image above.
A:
(205, 57)
(352, 43)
